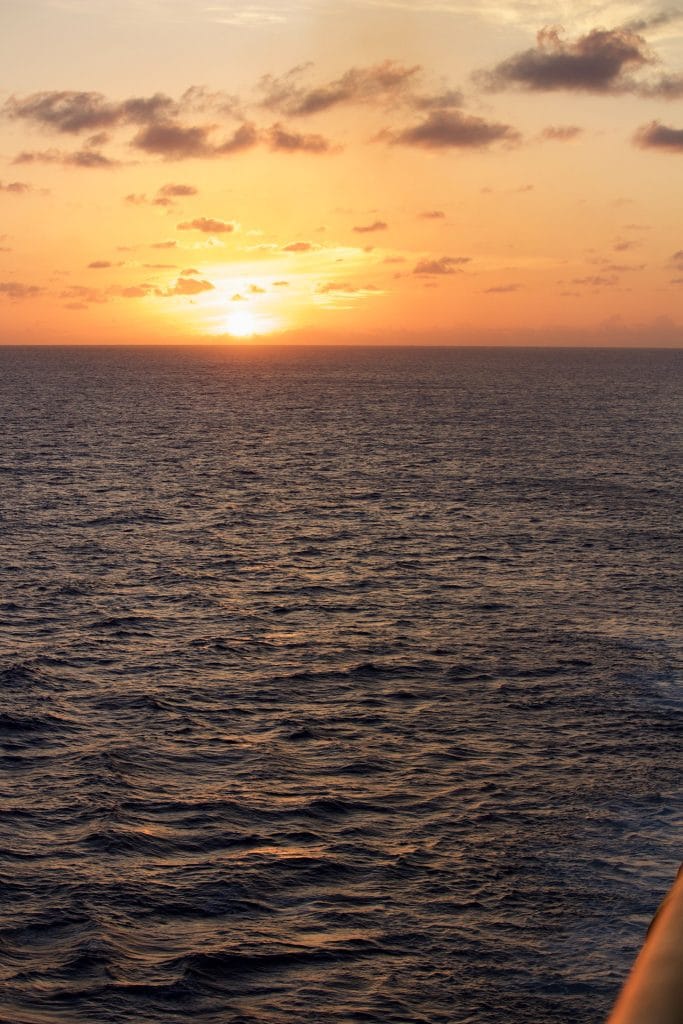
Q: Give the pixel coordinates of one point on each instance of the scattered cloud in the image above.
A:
(596, 280)
(163, 245)
(382, 82)
(18, 290)
(656, 135)
(377, 225)
(18, 188)
(452, 129)
(345, 288)
(299, 247)
(255, 289)
(174, 191)
(432, 215)
(87, 158)
(83, 295)
(100, 265)
(561, 132)
(175, 141)
(595, 62)
(502, 289)
(284, 140)
(443, 265)
(208, 225)
(187, 286)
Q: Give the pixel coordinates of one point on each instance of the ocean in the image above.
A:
(337, 685)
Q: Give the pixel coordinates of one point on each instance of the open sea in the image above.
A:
(336, 685)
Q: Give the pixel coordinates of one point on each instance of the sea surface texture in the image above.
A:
(336, 685)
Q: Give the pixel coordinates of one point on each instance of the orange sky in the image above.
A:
(422, 171)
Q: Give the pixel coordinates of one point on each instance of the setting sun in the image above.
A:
(242, 324)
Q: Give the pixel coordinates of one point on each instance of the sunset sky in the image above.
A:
(384, 171)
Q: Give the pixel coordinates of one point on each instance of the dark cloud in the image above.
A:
(18, 290)
(501, 289)
(377, 225)
(18, 188)
(208, 225)
(622, 268)
(81, 158)
(561, 132)
(445, 128)
(656, 135)
(286, 141)
(189, 272)
(175, 141)
(163, 245)
(444, 265)
(298, 247)
(380, 82)
(596, 62)
(432, 215)
(678, 256)
(100, 265)
(65, 111)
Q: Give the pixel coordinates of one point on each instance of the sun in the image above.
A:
(242, 324)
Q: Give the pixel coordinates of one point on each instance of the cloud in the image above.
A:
(432, 215)
(281, 284)
(596, 280)
(440, 100)
(173, 191)
(377, 225)
(500, 289)
(175, 141)
(188, 286)
(338, 287)
(678, 256)
(160, 130)
(208, 225)
(445, 129)
(18, 290)
(255, 289)
(595, 62)
(18, 188)
(285, 141)
(561, 132)
(163, 245)
(299, 247)
(81, 158)
(83, 294)
(378, 83)
(656, 135)
(165, 196)
(100, 265)
(444, 265)
(136, 291)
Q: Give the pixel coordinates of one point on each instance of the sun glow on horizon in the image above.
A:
(245, 324)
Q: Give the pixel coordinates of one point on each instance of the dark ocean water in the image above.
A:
(336, 685)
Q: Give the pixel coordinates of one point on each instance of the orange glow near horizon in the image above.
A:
(392, 175)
